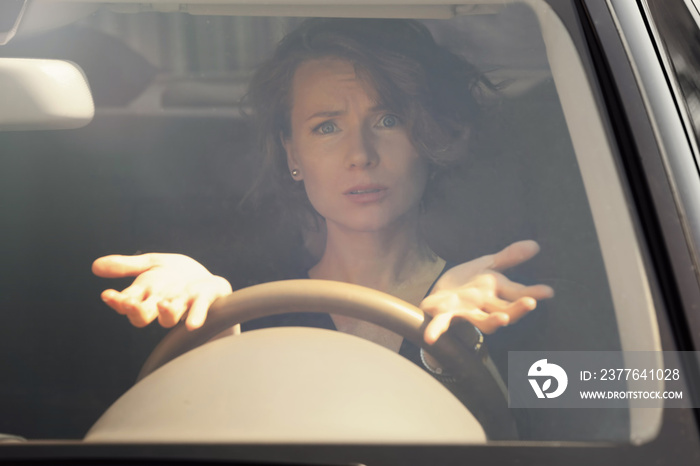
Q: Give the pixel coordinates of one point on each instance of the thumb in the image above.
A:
(515, 254)
(117, 266)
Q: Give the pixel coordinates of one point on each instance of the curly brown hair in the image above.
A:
(433, 89)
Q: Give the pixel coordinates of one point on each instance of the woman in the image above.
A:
(358, 120)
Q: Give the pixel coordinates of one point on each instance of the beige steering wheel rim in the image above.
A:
(317, 296)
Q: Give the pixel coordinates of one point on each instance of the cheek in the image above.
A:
(318, 183)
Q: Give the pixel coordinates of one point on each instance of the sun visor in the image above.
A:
(11, 12)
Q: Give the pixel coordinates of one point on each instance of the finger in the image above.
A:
(537, 292)
(495, 304)
(142, 313)
(515, 310)
(436, 327)
(198, 311)
(514, 254)
(489, 323)
(117, 266)
(123, 298)
(486, 323)
(170, 311)
(115, 300)
(208, 293)
(512, 291)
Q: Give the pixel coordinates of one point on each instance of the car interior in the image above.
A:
(166, 163)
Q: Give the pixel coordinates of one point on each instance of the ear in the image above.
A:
(292, 162)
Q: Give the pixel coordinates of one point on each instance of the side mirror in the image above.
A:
(37, 94)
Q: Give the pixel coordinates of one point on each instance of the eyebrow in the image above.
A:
(335, 113)
(326, 114)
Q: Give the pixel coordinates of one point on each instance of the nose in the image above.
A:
(362, 149)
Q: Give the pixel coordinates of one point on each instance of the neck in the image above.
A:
(383, 260)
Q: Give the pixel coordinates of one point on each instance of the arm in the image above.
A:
(166, 287)
(476, 291)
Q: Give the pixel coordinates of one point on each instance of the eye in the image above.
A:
(327, 127)
(389, 121)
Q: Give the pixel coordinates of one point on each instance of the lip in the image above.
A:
(366, 193)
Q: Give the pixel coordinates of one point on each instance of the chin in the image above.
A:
(369, 224)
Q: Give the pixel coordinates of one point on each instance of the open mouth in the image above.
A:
(366, 194)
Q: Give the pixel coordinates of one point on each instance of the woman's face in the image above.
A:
(359, 167)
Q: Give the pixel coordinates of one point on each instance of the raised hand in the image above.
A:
(476, 291)
(166, 287)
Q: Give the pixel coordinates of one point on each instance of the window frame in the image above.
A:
(667, 260)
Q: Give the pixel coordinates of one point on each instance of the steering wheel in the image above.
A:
(460, 351)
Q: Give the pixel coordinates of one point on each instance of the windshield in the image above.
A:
(171, 164)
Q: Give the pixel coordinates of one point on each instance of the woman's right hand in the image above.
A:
(167, 286)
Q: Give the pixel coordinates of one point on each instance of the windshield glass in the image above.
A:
(508, 148)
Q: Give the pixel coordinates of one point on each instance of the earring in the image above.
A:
(295, 173)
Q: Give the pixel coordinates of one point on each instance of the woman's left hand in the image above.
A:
(475, 291)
